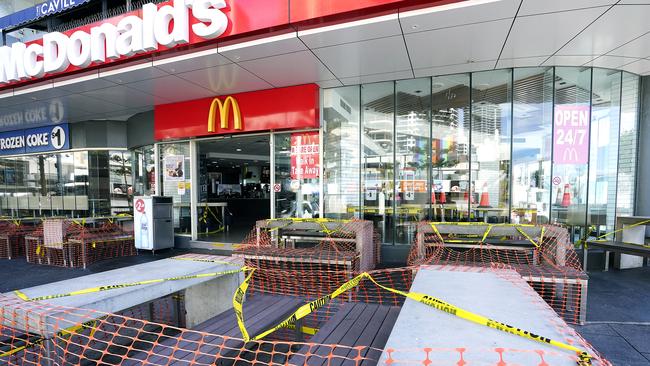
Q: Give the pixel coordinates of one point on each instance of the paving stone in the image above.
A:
(602, 329)
(637, 335)
(617, 350)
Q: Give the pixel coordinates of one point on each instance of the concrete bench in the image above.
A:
(353, 325)
(499, 294)
(223, 342)
(614, 246)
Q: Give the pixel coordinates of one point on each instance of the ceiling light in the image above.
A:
(238, 149)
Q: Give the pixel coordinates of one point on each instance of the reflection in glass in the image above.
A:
(299, 184)
(627, 142)
(489, 191)
(120, 181)
(412, 156)
(571, 145)
(450, 147)
(175, 180)
(341, 154)
(378, 186)
(603, 162)
(144, 171)
(531, 145)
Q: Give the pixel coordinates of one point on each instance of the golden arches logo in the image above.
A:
(224, 112)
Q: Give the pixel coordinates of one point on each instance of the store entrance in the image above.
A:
(234, 187)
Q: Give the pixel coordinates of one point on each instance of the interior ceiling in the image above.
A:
(243, 145)
(473, 35)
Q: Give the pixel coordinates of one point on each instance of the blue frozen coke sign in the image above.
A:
(35, 140)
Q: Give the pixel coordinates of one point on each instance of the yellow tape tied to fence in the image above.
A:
(125, 285)
(583, 357)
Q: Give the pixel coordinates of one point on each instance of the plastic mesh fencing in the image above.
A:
(12, 238)
(543, 255)
(78, 244)
(154, 334)
(291, 263)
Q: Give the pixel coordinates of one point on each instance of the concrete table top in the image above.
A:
(49, 316)
(501, 295)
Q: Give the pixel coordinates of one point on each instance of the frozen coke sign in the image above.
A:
(167, 26)
(571, 134)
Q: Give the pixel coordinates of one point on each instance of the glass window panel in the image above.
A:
(67, 182)
(295, 159)
(450, 147)
(531, 145)
(120, 181)
(412, 141)
(25, 186)
(81, 182)
(144, 171)
(491, 130)
(378, 185)
(175, 177)
(341, 152)
(571, 145)
(627, 158)
(603, 157)
(99, 183)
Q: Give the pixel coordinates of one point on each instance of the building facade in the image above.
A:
(391, 111)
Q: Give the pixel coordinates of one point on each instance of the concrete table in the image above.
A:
(204, 297)
(501, 295)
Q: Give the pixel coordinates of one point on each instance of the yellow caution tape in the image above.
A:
(527, 237)
(304, 329)
(125, 285)
(200, 260)
(624, 228)
(583, 359)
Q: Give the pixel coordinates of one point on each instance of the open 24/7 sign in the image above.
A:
(571, 134)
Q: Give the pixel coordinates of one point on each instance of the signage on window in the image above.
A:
(571, 134)
(305, 155)
(35, 140)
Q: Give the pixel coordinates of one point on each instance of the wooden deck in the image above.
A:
(261, 312)
(354, 325)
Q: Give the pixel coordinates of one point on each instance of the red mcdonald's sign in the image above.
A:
(287, 108)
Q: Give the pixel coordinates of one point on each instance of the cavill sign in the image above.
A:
(293, 107)
(571, 134)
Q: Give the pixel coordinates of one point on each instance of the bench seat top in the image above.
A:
(353, 325)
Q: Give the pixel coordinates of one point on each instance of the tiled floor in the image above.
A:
(618, 315)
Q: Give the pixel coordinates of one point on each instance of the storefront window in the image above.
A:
(627, 142)
(571, 145)
(297, 174)
(144, 171)
(531, 145)
(121, 181)
(341, 153)
(450, 147)
(412, 162)
(175, 178)
(378, 179)
(531, 160)
(603, 162)
(81, 182)
(489, 192)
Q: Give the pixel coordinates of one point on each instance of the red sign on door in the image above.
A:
(305, 155)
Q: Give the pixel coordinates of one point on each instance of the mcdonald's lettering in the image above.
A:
(222, 109)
